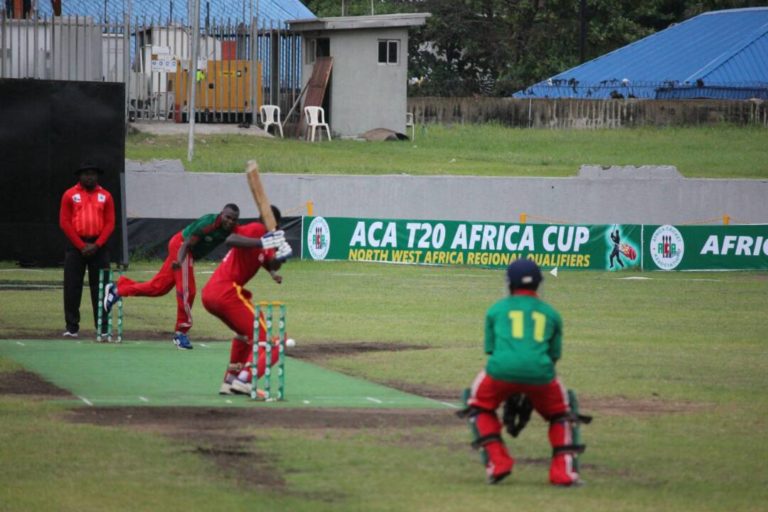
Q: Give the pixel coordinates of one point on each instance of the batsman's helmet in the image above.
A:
(524, 273)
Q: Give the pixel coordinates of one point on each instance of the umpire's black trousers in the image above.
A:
(74, 273)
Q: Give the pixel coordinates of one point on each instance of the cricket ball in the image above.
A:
(290, 342)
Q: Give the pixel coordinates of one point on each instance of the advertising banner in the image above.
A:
(706, 247)
(486, 244)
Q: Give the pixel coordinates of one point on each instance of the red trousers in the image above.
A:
(548, 400)
(231, 303)
(165, 280)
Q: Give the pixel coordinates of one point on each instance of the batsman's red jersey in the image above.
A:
(241, 264)
(225, 297)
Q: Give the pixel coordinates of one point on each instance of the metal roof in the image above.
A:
(235, 10)
(361, 22)
(715, 54)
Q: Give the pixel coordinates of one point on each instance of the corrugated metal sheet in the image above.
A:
(235, 10)
(720, 50)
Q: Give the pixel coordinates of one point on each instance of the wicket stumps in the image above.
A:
(106, 276)
(266, 345)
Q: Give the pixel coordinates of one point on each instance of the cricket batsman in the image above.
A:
(225, 296)
(523, 340)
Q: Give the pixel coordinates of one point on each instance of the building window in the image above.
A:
(311, 51)
(316, 48)
(389, 51)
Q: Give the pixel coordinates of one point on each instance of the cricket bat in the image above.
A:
(259, 195)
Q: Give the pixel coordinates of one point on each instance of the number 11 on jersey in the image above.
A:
(517, 319)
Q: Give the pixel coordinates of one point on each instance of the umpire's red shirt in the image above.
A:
(87, 214)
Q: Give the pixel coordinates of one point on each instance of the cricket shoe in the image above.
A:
(498, 477)
(498, 472)
(576, 483)
(182, 342)
(226, 389)
(110, 296)
(70, 334)
(240, 387)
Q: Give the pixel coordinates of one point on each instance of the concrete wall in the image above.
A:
(597, 198)
(364, 93)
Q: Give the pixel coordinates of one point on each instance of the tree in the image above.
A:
(497, 47)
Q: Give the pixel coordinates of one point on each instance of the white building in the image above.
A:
(368, 82)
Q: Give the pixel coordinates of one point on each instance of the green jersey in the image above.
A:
(209, 234)
(523, 336)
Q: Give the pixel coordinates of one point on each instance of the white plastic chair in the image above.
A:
(270, 114)
(409, 124)
(316, 119)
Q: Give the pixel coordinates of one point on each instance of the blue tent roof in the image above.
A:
(235, 10)
(719, 54)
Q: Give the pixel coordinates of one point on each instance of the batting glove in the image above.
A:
(284, 251)
(273, 240)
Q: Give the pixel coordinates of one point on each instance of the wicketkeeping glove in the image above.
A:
(284, 251)
(273, 239)
(517, 413)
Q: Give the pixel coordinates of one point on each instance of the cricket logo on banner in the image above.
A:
(667, 247)
(623, 253)
(318, 238)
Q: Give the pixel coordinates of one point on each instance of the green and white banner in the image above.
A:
(492, 244)
(486, 244)
(706, 247)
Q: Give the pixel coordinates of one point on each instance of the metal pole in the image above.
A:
(127, 59)
(192, 77)
(253, 66)
(3, 28)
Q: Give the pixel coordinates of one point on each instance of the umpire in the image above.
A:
(87, 218)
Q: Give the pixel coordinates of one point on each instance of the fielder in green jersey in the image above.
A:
(523, 336)
(523, 339)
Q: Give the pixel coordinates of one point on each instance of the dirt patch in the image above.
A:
(623, 406)
(218, 435)
(212, 419)
(320, 351)
(23, 382)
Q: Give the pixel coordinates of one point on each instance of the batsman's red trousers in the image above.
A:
(231, 303)
(548, 400)
(165, 280)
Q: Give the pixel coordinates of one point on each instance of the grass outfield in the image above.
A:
(483, 150)
(672, 365)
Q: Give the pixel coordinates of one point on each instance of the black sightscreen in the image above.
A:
(47, 128)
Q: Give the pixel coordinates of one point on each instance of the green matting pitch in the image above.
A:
(152, 373)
